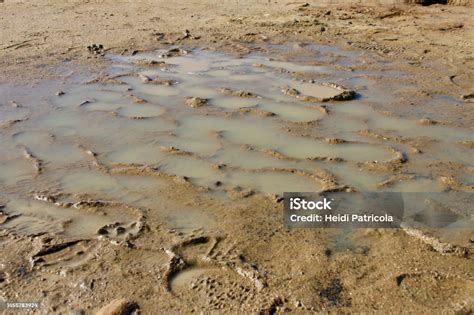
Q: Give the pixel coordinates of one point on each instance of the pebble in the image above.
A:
(119, 307)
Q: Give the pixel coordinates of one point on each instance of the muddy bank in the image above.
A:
(180, 186)
(142, 167)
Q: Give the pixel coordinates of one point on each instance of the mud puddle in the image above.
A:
(237, 125)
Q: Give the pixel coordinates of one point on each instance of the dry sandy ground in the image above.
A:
(260, 266)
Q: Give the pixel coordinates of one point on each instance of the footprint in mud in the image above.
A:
(64, 256)
(72, 217)
(203, 272)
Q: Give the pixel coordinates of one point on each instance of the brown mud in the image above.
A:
(125, 185)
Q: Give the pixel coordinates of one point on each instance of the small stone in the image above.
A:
(290, 92)
(119, 307)
(238, 93)
(14, 104)
(427, 121)
(91, 153)
(195, 102)
(174, 52)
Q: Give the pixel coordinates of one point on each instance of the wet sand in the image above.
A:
(132, 170)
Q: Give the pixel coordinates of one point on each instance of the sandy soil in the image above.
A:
(253, 264)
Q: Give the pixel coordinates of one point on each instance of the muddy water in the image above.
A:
(248, 135)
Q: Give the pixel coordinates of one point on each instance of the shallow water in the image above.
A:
(266, 141)
(268, 135)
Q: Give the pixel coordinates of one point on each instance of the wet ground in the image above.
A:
(95, 156)
(225, 124)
